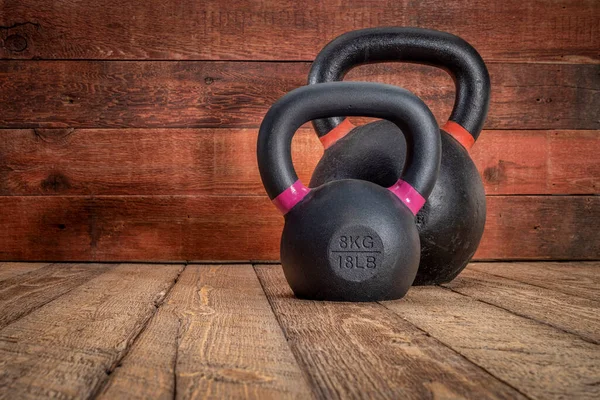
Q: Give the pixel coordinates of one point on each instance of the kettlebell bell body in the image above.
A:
(349, 240)
(451, 223)
(356, 251)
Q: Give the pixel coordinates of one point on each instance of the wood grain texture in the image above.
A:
(148, 370)
(361, 350)
(538, 360)
(66, 348)
(117, 94)
(535, 227)
(140, 161)
(138, 228)
(25, 293)
(215, 336)
(511, 30)
(12, 269)
(581, 279)
(538, 162)
(173, 228)
(569, 313)
(223, 161)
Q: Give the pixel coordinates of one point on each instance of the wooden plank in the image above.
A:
(538, 360)
(25, 293)
(214, 337)
(11, 269)
(581, 279)
(138, 228)
(92, 94)
(535, 227)
(66, 348)
(361, 350)
(173, 228)
(147, 371)
(571, 314)
(220, 162)
(512, 30)
(140, 161)
(538, 162)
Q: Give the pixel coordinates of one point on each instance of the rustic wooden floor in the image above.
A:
(501, 330)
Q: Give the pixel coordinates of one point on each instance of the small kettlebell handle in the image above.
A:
(324, 100)
(416, 45)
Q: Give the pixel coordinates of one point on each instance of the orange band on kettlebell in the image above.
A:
(336, 133)
(459, 133)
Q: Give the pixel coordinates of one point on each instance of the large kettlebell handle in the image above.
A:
(416, 45)
(306, 103)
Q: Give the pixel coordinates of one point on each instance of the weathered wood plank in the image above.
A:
(11, 269)
(540, 361)
(581, 279)
(148, 370)
(91, 94)
(362, 350)
(214, 337)
(535, 227)
(511, 30)
(538, 162)
(66, 348)
(173, 228)
(25, 293)
(138, 228)
(220, 161)
(140, 161)
(572, 314)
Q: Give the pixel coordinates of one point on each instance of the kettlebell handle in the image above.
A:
(306, 103)
(416, 45)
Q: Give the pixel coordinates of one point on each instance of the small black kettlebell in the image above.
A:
(349, 240)
(451, 223)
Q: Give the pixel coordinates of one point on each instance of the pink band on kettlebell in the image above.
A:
(408, 195)
(290, 197)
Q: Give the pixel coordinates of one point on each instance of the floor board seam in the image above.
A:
(177, 338)
(588, 340)
(535, 285)
(27, 272)
(32, 272)
(2, 327)
(476, 365)
(108, 372)
(300, 365)
(176, 355)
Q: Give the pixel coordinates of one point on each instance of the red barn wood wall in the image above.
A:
(128, 129)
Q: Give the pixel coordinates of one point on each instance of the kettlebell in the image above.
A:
(451, 222)
(349, 240)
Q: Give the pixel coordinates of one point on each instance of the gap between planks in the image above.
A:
(573, 375)
(117, 362)
(567, 312)
(10, 269)
(358, 350)
(37, 284)
(307, 354)
(580, 279)
(69, 346)
(203, 299)
(502, 326)
(227, 343)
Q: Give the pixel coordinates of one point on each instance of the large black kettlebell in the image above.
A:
(451, 223)
(349, 240)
